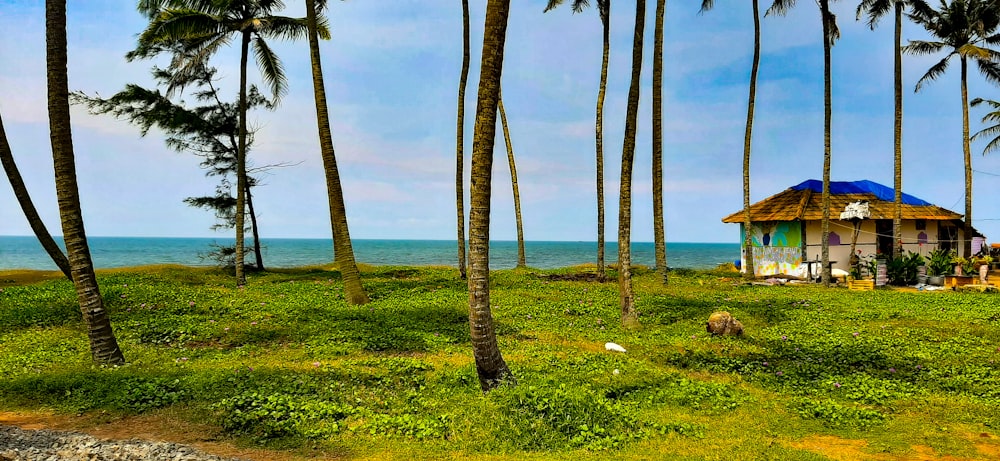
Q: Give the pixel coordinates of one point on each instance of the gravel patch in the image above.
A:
(18, 444)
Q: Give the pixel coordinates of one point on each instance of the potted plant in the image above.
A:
(983, 263)
(959, 263)
(938, 265)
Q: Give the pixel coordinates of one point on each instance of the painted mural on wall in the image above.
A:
(776, 246)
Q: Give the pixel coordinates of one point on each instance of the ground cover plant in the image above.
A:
(285, 363)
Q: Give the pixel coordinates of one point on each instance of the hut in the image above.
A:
(786, 228)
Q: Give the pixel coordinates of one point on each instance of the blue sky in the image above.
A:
(392, 77)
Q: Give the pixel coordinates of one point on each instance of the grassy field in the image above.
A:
(285, 365)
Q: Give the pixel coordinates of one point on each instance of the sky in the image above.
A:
(392, 79)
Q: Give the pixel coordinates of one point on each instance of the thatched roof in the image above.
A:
(803, 202)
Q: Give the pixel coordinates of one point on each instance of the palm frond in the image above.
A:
(706, 5)
(271, 69)
(990, 70)
(780, 7)
(993, 144)
(834, 29)
(934, 72)
(876, 10)
(992, 103)
(992, 130)
(286, 28)
(918, 47)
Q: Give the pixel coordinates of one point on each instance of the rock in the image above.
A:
(614, 347)
(723, 324)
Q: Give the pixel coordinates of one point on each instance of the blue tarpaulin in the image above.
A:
(883, 193)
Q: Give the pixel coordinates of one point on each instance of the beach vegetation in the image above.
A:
(286, 363)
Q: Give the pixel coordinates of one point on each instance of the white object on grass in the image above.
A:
(614, 347)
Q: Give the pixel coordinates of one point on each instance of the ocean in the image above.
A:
(21, 252)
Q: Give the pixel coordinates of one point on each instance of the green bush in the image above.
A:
(554, 418)
(270, 416)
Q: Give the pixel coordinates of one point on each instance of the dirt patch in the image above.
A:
(577, 277)
(18, 277)
(841, 449)
(155, 428)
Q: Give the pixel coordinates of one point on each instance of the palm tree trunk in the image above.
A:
(827, 117)
(513, 179)
(24, 199)
(967, 245)
(659, 239)
(749, 271)
(253, 228)
(490, 365)
(343, 253)
(103, 345)
(241, 162)
(629, 317)
(605, 11)
(897, 219)
(460, 140)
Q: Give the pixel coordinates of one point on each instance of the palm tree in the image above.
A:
(604, 7)
(830, 34)
(747, 136)
(876, 9)
(490, 365)
(103, 345)
(343, 252)
(629, 317)
(965, 28)
(659, 239)
(28, 207)
(201, 28)
(513, 179)
(460, 140)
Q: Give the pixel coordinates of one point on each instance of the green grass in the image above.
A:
(284, 362)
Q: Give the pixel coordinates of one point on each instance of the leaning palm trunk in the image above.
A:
(460, 141)
(513, 179)
(605, 10)
(827, 116)
(659, 239)
(103, 345)
(253, 228)
(343, 252)
(490, 365)
(629, 317)
(28, 207)
(967, 247)
(241, 162)
(747, 136)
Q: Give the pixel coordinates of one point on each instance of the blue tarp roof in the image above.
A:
(883, 193)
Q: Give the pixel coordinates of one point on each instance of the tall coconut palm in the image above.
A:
(460, 140)
(513, 179)
(629, 317)
(747, 136)
(103, 345)
(830, 35)
(876, 9)
(343, 252)
(203, 27)
(659, 238)
(966, 29)
(28, 207)
(490, 365)
(604, 8)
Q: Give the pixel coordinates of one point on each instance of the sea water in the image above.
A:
(22, 252)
